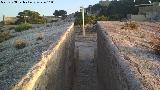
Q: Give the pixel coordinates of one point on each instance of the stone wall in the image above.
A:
(9, 20)
(54, 71)
(138, 18)
(151, 12)
(114, 72)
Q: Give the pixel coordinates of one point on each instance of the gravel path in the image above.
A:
(86, 72)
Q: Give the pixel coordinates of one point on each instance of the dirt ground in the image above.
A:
(135, 47)
(86, 69)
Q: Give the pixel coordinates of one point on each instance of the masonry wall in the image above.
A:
(138, 18)
(113, 72)
(151, 12)
(9, 20)
(54, 71)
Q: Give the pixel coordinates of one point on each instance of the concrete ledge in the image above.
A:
(114, 72)
(54, 71)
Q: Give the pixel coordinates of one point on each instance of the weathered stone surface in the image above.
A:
(15, 63)
(126, 60)
(85, 76)
(114, 73)
(54, 71)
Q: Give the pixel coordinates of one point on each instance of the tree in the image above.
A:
(141, 2)
(78, 14)
(118, 10)
(87, 19)
(155, 0)
(58, 13)
(78, 18)
(102, 18)
(31, 17)
(96, 8)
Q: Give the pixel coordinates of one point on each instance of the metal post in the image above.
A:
(3, 19)
(84, 34)
(25, 19)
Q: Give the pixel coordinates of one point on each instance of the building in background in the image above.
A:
(7, 20)
(147, 12)
(152, 13)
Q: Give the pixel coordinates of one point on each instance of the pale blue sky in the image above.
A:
(44, 9)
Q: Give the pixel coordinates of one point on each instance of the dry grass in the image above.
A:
(39, 36)
(155, 44)
(20, 44)
(130, 25)
(4, 36)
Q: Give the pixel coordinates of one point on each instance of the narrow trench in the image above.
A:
(85, 76)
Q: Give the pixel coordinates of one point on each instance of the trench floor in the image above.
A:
(86, 71)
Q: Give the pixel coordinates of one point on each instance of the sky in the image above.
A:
(12, 9)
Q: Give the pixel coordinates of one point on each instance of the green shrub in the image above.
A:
(102, 18)
(90, 19)
(20, 44)
(22, 27)
(87, 20)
